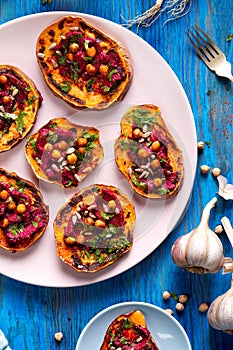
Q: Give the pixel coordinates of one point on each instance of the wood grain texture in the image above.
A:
(30, 315)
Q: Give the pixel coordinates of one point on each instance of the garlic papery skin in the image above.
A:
(201, 250)
(220, 313)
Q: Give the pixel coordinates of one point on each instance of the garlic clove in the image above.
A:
(220, 313)
(201, 250)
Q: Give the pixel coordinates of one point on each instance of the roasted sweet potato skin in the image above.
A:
(20, 191)
(132, 328)
(94, 228)
(83, 65)
(147, 154)
(18, 106)
(45, 149)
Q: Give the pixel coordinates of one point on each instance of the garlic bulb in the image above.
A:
(220, 313)
(200, 250)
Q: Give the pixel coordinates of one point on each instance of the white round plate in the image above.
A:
(164, 328)
(153, 82)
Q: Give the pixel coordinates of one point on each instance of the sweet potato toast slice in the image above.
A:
(19, 104)
(82, 65)
(23, 213)
(64, 153)
(147, 154)
(94, 228)
(129, 330)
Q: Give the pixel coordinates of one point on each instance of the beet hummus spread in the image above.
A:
(19, 103)
(23, 214)
(83, 65)
(147, 154)
(94, 229)
(64, 153)
(129, 331)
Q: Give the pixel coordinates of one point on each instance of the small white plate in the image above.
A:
(165, 329)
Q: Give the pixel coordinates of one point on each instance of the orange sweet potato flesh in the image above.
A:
(147, 154)
(132, 328)
(83, 65)
(18, 189)
(84, 164)
(94, 228)
(22, 106)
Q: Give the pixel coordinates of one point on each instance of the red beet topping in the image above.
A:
(57, 168)
(109, 235)
(21, 224)
(128, 336)
(76, 64)
(144, 172)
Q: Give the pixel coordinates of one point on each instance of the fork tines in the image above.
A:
(204, 46)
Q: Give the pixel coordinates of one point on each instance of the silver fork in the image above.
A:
(211, 55)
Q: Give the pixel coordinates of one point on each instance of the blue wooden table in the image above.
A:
(30, 315)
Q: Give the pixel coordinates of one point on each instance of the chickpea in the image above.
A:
(80, 239)
(11, 205)
(179, 307)
(137, 133)
(89, 221)
(142, 153)
(5, 222)
(155, 146)
(157, 182)
(103, 69)
(99, 223)
(155, 164)
(82, 150)
(48, 147)
(21, 208)
(112, 204)
(82, 141)
(69, 56)
(3, 194)
(62, 144)
(72, 158)
(91, 51)
(74, 47)
(3, 79)
(6, 100)
(90, 68)
(56, 154)
(166, 295)
(90, 35)
(70, 240)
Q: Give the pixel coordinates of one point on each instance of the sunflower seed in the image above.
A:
(86, 170)
(14, 92)
(55, 167)
(146, 134)
(93, 206)
(73, 29)
(55, 64)
(41, 55)
(74, 219)
(70, 150)
(2, 109)
(77, 177)
(145, 128)
(52, 46)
